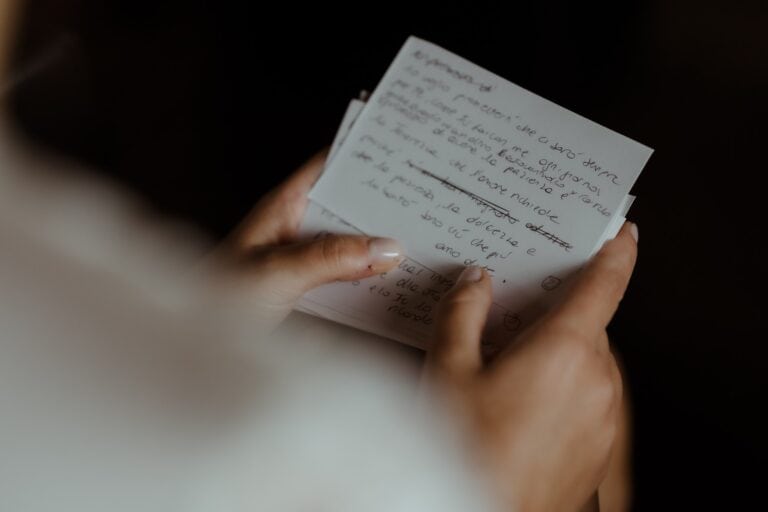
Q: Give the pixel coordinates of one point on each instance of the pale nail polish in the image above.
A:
(471, 275)
(384, 250)
(634, 232)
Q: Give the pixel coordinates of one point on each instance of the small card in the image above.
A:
(465, 168)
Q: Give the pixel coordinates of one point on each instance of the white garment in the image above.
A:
(131, 382)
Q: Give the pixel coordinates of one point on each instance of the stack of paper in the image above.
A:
(466, 168)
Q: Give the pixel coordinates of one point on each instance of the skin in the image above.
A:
(545, 416)
(279, 268)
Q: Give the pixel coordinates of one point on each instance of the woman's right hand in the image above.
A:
(543, 414)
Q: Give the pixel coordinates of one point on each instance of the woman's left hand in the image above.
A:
(277, 269)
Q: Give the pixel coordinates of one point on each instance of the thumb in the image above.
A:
(295, 269)
(594, 296)
(459, 325)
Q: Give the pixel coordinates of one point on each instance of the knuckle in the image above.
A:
(331, 251)
(577, 358)
(605, 392)
(606, 437)
(572, 349)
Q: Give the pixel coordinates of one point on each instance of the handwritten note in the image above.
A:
(399, 304)
(465, 168)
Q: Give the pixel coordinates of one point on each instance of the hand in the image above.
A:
(543, 414)
(277, 270)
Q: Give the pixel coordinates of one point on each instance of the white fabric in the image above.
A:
(129, 381)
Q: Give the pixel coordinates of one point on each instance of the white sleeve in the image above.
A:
(123, 387)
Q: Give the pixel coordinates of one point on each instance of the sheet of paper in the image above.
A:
(374, 308)
(393, 306)
(466, 168)
(399, 304)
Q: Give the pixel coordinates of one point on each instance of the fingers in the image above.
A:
(460, 322)
(296, 269)
(597, 291)
(304, 178)
(277, 216)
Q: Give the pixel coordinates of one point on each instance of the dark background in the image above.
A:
(202, 107)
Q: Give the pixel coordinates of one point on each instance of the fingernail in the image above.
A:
(471, 274)
(384, 251)
(634, 232)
